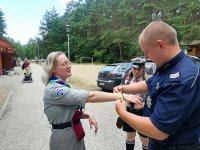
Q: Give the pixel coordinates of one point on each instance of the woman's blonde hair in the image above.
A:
(50, 62)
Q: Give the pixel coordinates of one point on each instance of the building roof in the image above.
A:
(5, 46)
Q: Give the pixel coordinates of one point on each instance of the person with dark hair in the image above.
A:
(14, 62)
(136, 74)
(14, 65)
(25, 64)
(172, 119)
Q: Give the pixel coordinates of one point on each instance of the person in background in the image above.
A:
(36, 60)
(136, 74)
(26, 64)
(18, 62)
(173, 121)
(14, 62)
(14, 65)
(64, 106)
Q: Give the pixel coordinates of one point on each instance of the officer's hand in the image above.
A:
(120, 106)
(117, 89)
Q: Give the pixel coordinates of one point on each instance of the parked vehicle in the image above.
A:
(150, 67)
(111, 75)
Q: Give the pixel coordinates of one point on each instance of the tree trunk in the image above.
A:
(120, 51)
(110, 48)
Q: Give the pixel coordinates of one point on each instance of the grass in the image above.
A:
(82, 84)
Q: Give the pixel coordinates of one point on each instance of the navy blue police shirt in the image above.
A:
(174, 107)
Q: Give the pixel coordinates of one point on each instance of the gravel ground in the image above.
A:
(24, 126)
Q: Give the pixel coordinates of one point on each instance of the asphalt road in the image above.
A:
(24, 126)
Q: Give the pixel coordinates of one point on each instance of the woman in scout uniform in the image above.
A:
(136, 74)
(63, 105)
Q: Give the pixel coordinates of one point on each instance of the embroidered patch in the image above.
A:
(149, 102)
(157, 85)
(60, 92)
(52, 82)
(175, 75)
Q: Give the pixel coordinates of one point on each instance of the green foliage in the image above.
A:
(2, 24)
(108, 30)
(52, 30)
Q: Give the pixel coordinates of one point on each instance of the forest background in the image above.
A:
(106, 30)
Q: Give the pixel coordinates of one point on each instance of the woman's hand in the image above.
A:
(133, 99)
(117, 89)
(93, 122)
(139, 106)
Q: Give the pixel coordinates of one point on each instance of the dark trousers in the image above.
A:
(176, 147)
(185, 147)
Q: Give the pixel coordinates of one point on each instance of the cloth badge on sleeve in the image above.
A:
(175, 75)
(60, 92)
(52, 82)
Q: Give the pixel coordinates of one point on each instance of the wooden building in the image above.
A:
(194, 48)
(6, 55)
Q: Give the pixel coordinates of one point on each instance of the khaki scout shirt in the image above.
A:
(60, 104)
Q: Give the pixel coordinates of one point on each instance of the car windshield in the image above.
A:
(115, 68)
(108, 68)
(122, 68)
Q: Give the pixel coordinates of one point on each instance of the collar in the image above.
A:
(138, 78)
(171, 63)
(55, 79)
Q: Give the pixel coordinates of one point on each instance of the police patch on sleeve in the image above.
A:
(175, 75)
(60, 92)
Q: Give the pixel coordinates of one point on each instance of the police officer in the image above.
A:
(136, 74)
(173, 121)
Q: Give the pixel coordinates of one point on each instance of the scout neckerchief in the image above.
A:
(55, 79)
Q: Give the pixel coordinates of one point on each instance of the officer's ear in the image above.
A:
(160, 43)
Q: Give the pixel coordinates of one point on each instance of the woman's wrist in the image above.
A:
(121, 88)
(120, 96)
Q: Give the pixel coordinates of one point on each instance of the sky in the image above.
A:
(23, 17)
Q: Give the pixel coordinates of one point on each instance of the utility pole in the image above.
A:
(67, 31)
(38, 51)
